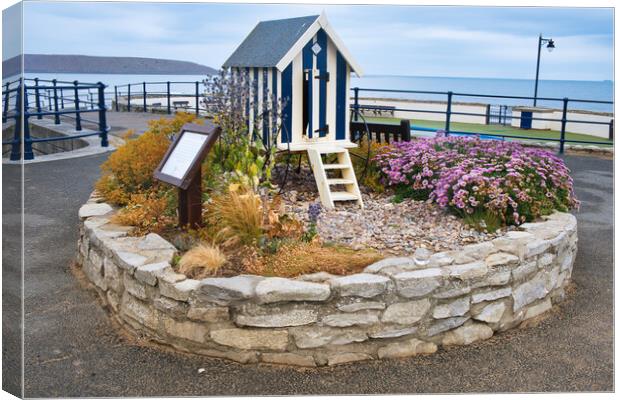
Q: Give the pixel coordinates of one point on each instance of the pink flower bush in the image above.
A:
(480, 179)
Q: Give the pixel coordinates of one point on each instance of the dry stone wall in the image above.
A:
(398, 307)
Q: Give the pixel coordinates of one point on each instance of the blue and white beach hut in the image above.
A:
(303, 61)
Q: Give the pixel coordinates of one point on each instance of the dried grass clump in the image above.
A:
(237, 217)
(202, 261)
(298, 258)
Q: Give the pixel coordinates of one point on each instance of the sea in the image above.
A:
(572, 89)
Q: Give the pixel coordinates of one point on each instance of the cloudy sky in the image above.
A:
(397, 40)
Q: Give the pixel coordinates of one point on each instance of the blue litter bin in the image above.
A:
(526, 120)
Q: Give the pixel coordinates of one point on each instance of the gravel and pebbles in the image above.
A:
(391, 228)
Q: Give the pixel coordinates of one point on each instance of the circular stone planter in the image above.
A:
(398, 307)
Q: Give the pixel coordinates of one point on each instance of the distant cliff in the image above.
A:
(65, 63)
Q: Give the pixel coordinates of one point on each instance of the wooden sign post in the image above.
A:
(181, 167)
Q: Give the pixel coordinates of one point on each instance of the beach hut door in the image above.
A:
(315, 105)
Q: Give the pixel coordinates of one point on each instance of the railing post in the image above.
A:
(90, 98)
(356, 103)
(116, 98)
(611, 129)
(17, 131)
(197, 91)
(563, 130)
(103, 125)
(168, 95)
(78, 118)
(144, 96)
(129, 97)
(62, 99)
(37, 98)
(7, 98)
(49, 100)
(448, 113)
(28, 154)
(56, 115)
(488, 116)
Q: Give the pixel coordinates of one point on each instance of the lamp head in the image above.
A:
(550, 45)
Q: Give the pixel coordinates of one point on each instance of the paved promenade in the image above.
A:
(73, 349)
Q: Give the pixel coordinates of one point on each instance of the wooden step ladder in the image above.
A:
(324, 183)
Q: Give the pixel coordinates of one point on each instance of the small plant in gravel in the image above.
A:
(488, 183)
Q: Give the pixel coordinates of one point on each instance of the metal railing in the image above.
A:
(449, 112)
(168, 91)
(27, 98)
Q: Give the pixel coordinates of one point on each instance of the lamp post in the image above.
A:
(550, 47)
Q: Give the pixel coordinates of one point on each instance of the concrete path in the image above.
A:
(120, 122)
(72, 348)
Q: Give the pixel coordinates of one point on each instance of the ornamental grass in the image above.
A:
(202, 261)
(488, 183)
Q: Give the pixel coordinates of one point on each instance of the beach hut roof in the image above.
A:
(275, 43)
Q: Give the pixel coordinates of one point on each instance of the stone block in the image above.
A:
(452, 291)
(513, 242)
(188, 330)
(93, 269)
(223, 291)
(500, 259)
(440, 260)
(401, 263)
(498, 278)
(277, 317)
(387, 333)
(351, 319)
(467, 334)
(312, 337)
(128, 261)
(359, 305)
(409, 348)
(178, 290)
(94, 210)
(445, 324)
(208, 314)
(467, 271)
(360, 285)
(288, 359)
(242, 357)
(134, 287)
(317, 277)
(406, 313)
(490, 295)
(418, 283)
(524, 270)
(251, 339)
(139, 311)
(153, 241)
(148, 273)
(177, 309)
(530, 291)
(273, 290)
(536, 247)
(455, 308)
(472, 252)
(538, 309)
(112, 275)
(545, 259)
(343, 358)
(491, 313)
